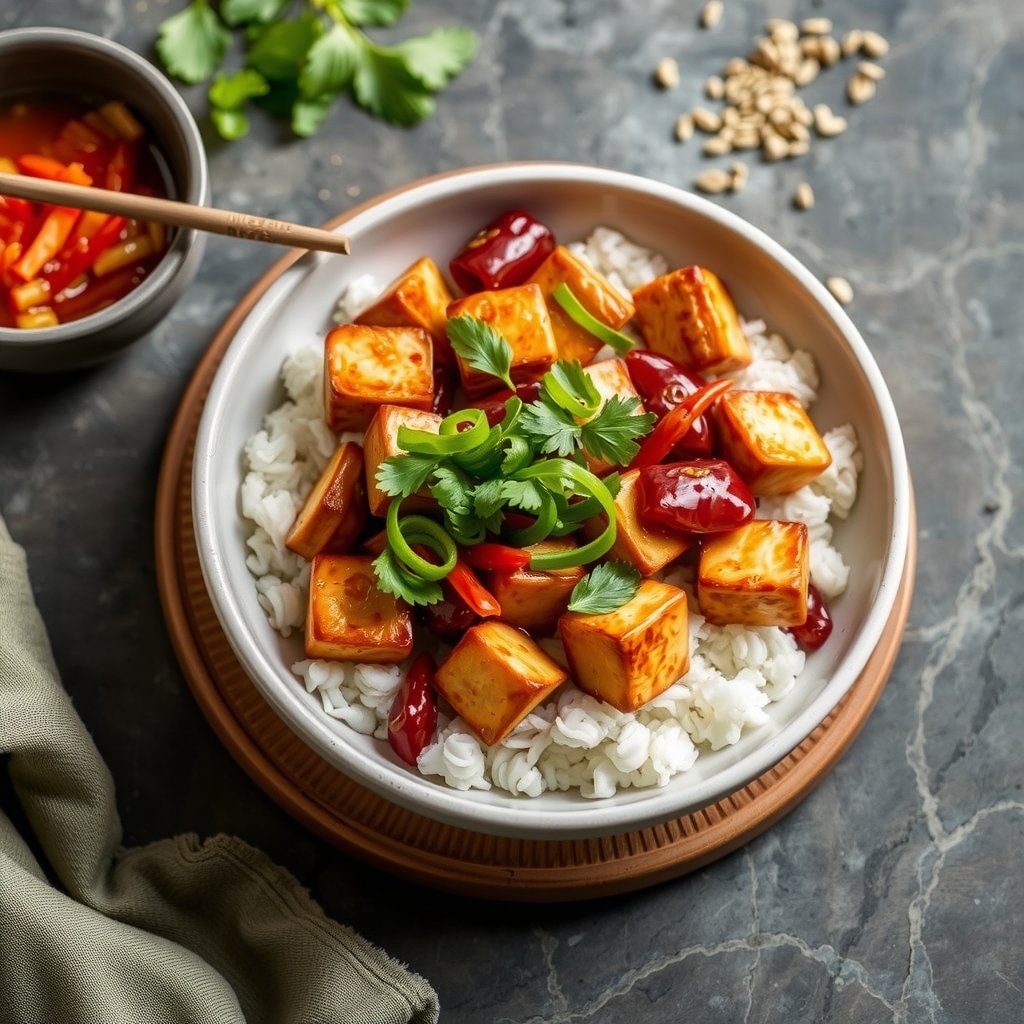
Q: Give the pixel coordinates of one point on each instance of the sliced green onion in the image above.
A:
(584, 482)
(560, 392)
(540, 528)
(450, 439)
(564, 296)
(415, 529)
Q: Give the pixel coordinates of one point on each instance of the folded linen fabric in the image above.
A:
(180, 930)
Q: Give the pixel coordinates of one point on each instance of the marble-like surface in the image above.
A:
(895, 891)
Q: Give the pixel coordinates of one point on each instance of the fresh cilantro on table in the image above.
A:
(301, 55)
(606, 587)
(520, 480)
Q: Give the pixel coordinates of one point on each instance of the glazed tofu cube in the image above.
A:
(610, 377)
(689, 316)
(647, 546)
(494, 677)
(381, 442)
(520, 316)
(350, 617)
(334, 512)
(770, 440)
(596, 294)
(366, 366)
(418, 297)
(628, 656)
(755, 575)
(534, 599)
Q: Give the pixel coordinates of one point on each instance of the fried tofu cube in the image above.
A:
(628, 656)
(770, 440)
(418, 297)
(520, 316)
(334, 513)
(367, 366)
(755, 575)
(596, 294)
(495, 676)
(381, 442)
(611, 378)
(349, 617)
(689, 316)
(533, 599)
(647, 546)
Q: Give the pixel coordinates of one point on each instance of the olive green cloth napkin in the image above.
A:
(181, 931)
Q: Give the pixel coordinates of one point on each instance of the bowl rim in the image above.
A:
(520, 817)
(185, 238)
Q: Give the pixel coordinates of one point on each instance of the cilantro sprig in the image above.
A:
(606, 587)
(532, 467)
(300, 56)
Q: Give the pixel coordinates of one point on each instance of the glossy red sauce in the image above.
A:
(58, 264)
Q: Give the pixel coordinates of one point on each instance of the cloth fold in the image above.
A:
(180, 930)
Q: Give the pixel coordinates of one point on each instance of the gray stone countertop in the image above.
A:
(894, 891)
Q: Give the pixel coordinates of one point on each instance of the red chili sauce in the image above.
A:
(58, 264)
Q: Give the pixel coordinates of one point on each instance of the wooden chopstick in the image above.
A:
(172, 212)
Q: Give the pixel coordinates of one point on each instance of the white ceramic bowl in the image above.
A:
(435, 217)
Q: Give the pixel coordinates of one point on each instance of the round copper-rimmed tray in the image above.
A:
(417, 848)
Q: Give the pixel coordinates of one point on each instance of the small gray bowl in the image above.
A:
(58, 60)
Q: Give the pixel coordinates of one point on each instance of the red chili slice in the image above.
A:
(466, 584)
(503, 254)
(490, 555)
(817, 627)
(674, 426)
(662, 384)
(702, 496)
(413, 716)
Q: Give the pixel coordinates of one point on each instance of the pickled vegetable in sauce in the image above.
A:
(58, 264)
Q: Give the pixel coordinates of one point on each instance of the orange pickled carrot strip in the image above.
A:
(33, 293)
(122, 120)
(49, 241)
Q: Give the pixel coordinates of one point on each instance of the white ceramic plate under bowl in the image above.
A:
(435, 217)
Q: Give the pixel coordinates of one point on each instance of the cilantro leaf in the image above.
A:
(435, 58)
(550, 428)
(611, 435)
(279, 52)
(402, 475)
(330, 63)
(394, 578)
(243, 12)
(192, 43)
(308, 115)
(482, 347)
(606, 587)
(383, 85)
(230, 124)
(452, 490)
(373, 12)
(230, 92)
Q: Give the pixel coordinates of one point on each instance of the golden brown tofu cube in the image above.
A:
(628, 656)
(647, 546)
(533, 599)
(381, 442)
(755, 575)
(520, 316)
(334, 513)
(494, 677)
(596, 294)
(350, 617)
(610, 377)
(770, 440)
(418, 297)
(366, 366)
(689, 316)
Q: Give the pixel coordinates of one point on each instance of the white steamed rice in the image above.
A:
(571, 742)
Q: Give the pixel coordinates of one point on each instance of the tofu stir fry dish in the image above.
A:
(560, 524)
